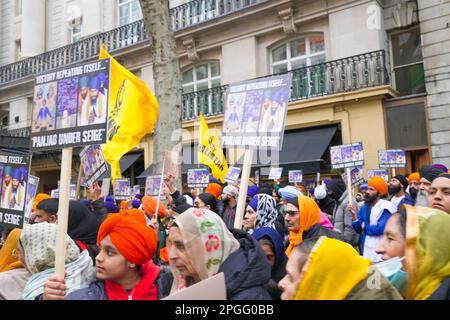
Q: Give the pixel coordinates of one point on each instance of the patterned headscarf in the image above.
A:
(38, 242)
(208, 244)
(266, 212)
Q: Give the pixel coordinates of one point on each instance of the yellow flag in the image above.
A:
(133, 111)
(210, 152)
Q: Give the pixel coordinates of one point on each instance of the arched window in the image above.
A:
(201, 90)
(297, 53)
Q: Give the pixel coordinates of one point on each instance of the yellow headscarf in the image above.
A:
(7, 261)
(309, 216)
(332, 270)
(427, 250)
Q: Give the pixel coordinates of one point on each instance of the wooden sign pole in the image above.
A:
(318, 179)
(80, 170)
(393, 172)
(349, 185)
(159, 193)
(63, 211)
(248, 156)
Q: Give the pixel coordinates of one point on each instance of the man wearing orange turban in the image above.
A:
(124, 267)
(414, 183)
(214, 189)
(372, 217)
(149, 204)
(37, 199)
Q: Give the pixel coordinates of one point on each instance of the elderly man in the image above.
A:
(372, 217)
(229, 199)
(427, 175)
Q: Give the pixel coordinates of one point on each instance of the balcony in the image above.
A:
(122, 37)
(198, 11)
(17, 138)
(331, 77)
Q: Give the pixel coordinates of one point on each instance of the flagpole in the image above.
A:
(248, 156)
(159, 193)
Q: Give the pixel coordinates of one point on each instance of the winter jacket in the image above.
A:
(443, 292)
(343, 220)
(97, 290)
(246, 270)
(228, 214)
(316, 231)
(327, 205)
(100, 210)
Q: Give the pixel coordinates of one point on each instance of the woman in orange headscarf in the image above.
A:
(124, 267)
(9, 260)
(302, 217)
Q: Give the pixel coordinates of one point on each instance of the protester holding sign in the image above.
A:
(200, 246)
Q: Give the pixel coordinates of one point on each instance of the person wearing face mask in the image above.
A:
(342, 217)
(329, 269)
(392, 251)
(427, 175)
(397, 188)
(372, 217)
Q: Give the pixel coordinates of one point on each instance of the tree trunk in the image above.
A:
(166, 74)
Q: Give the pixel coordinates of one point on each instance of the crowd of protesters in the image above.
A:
(388, 241)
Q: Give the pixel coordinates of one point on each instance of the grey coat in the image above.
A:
(343, 220)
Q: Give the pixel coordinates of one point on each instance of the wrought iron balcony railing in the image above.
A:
(82, 50)
(21, 129)
(198, 11)
(327, 78)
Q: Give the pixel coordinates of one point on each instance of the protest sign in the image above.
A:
(93, 163)
(356, 175)
(295, 176)
(14, 171)
(255, 112)
(198, 178)
(136, 190)
(122, 189)
(152, 184)
(394, 158)
(33, 183)
(106, 184)
(212, 288)
(347, 155)
(383, 173)
(70, 107)
(275, 173)
(72, 193)
(232, 174)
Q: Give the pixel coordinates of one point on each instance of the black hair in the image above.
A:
(209, 200)
(401, 214)
(266, 241)
(49, 206)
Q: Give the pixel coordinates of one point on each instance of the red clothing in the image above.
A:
(145, 290)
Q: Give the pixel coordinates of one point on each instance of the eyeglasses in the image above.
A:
(291, 212)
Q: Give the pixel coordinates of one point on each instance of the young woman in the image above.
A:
(124, 269)
(262, 212)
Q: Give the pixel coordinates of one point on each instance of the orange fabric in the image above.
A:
(149, 204)
(39, 197)
(215, 189)
(415, 176)
(379, 184)
(164, 255)
(309, 216)
(129, 232)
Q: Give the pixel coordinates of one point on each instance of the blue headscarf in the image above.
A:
(275, 238)
(253, 190)
(16, 174)
(254, 203)
(84, 81)
(94, 83)
(290, 194)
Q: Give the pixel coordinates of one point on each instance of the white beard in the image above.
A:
(422, 199)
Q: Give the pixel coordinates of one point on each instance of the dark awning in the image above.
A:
(302, 150)
(127, 160)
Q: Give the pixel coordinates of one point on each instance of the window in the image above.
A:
(76, 31)
(407, 62)
(298, 54)
(129, 11)
(198, 79)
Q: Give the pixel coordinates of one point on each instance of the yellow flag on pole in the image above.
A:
(133, 111)
(210, 152)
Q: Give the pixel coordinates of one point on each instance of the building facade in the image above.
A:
(370, 71)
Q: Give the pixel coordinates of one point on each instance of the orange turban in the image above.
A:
(214, 189)
(149, 204)
(415, 176)
(39, 197)
(309, 216)
(379, 184)
(129, 232)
